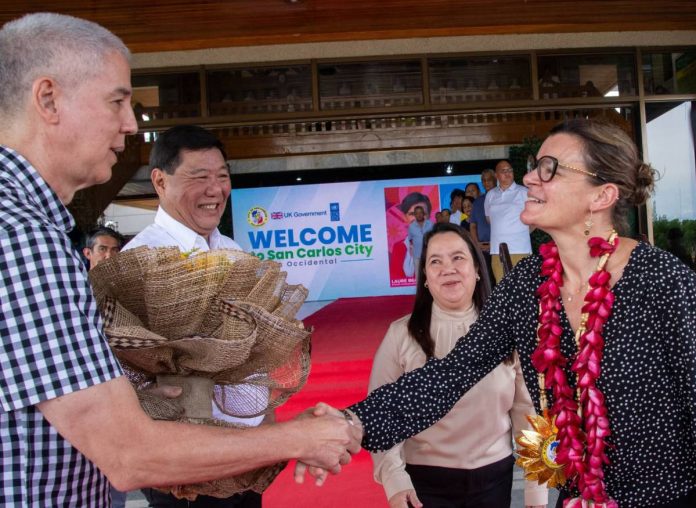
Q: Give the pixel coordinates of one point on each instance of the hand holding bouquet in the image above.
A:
(211, 322)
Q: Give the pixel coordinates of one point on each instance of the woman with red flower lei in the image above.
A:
(605, 328)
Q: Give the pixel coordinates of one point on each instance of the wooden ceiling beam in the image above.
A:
(169, 25)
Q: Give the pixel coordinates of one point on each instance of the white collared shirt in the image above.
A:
(169, 232)
(503, 209)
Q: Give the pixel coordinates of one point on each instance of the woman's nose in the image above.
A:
(530, 178)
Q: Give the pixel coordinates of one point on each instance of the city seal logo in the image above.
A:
(257, 216)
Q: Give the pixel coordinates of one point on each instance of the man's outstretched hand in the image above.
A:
(352, 447)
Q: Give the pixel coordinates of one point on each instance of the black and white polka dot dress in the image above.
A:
(648, 374)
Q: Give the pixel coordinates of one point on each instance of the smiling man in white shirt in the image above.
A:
(190, 174)
(192, 179)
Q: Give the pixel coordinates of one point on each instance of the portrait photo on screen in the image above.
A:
(400, 204)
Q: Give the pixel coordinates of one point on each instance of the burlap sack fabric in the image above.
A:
(223, 315)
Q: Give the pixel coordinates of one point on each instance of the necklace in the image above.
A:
(569, 439)
(569, 298)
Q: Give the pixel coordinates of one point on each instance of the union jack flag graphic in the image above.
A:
(276, 215)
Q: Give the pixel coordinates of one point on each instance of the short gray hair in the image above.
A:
(489, 172)
(63, 47)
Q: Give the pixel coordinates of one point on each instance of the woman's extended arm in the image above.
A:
(418, 399)
(389, 468)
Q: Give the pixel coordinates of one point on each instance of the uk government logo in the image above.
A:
(257, 216)
(300, 214)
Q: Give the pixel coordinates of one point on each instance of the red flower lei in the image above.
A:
(581, 441)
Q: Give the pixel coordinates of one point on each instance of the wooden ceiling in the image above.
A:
(166, 25)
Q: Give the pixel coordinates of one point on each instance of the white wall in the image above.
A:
(129, 219)
(671, 153)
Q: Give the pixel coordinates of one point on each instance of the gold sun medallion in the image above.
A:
(537, 452)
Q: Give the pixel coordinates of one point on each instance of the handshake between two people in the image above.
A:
(321, 438)
(336, 436)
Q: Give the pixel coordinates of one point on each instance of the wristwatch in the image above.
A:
(348, 416)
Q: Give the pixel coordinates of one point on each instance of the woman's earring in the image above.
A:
(425, 283)
(478, 277)
(588, 225)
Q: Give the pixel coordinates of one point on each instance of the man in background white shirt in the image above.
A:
(456, 198)
(416, 230)
(502, 207)
(192, 179)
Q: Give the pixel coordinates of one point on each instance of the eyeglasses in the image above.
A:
(546, 168)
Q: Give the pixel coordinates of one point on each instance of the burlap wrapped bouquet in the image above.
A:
(220, 324)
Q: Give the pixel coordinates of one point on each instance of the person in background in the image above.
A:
(480, 229)
(467, 208)
(102, 243)
(70, 420)
(445, 215)
(438, 217)
(399, 218)
(416, 230)
(478, 225)
(502, 207)
(465, 459)
(456, 197)
(472, 190)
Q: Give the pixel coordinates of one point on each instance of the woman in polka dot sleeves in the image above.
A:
(605, 328)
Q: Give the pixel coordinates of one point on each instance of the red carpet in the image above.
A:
(346, 335)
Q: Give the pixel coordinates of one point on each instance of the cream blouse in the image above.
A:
(476, 432)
